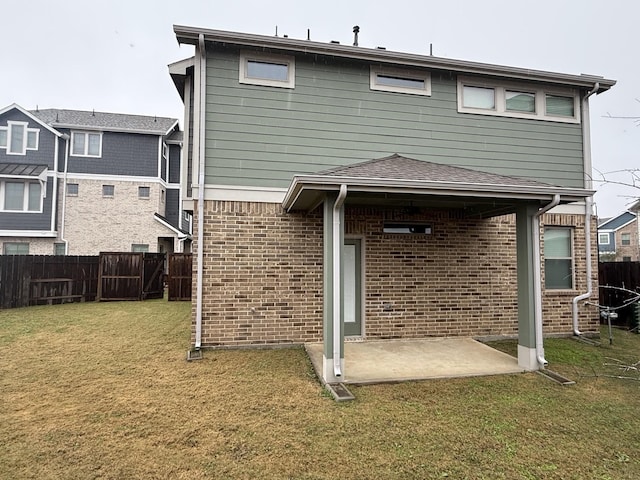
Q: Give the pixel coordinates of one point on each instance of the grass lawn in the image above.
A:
(103, 390)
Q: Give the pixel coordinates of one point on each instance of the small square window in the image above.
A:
(59, 248)
(603, 238)
(108, 190)
(72, 189)
(144, 192)
(479, 97)
(257, 68)
(625, 239)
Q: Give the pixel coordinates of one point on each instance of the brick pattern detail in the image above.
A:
(263, 275)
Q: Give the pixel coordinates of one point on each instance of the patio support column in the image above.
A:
(526, 286)
(332, 297)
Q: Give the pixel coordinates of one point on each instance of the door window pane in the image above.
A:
(479, 97)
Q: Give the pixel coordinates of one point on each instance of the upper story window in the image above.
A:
(16, 138)
(86, 144)
(603, 238)
(625, 239)
(400, 81)
(517, 101)
(257, 68)
(18, 196)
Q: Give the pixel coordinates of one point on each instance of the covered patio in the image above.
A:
(399, 182)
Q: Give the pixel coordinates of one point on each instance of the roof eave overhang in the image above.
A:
(321, 184)
(190, 35)
(97, 128)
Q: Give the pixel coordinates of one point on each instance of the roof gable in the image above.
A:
(617, 222)
(116, 122)
(28, 114)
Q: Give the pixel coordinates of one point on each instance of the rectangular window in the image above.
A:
(603, 238)
(17, 138)
(21, 196)
(108, 190)
(625, 239)
(59, 248)
(520, 101)
(144, 192)
(479, 97)
(558, 259)
(400, 81)
(15, 248)
(626, 259)
(517, 100)
(257, 68)
(85, 144)
(165, 150)
(140, 247)
(72, 189)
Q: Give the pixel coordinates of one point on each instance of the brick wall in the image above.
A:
(263, 275)
(631, 250)
(95, 223)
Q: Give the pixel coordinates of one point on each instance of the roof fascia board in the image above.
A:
(189, 35)
(31, 116)
(92, 128)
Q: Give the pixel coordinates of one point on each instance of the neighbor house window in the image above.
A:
(144, 192)
(626, 259)
(108, 190)
(16, 138)
(165, 150)
(257, 68)
(86, 144)
(400, 81)
(603, 238)
(72, 189)
(18, 196)
(558, 258)
(15, 248)
(140, 247)
(496, 98)
(625, 239)
(59, 248)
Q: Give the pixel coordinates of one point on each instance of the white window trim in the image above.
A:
(246, 56)
(27, 130)
(573, 260)
(25, 194)
(500, 109)
(403, 73)
(608, 242)
(86, 144)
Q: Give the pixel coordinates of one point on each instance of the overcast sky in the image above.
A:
(112, 55)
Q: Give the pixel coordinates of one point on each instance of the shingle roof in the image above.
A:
(618, 221)
(117, 122)
(398, 167)
(21, 170)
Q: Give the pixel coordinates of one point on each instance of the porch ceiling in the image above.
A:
(398, 181)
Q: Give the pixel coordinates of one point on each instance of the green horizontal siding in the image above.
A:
(262, 136)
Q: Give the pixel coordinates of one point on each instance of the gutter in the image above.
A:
(588, 209)
(337, 285)
(537, 278)
(201, 182)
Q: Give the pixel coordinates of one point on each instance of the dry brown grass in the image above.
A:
(104, 391)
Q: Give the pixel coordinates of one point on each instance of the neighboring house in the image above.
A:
(618, 238)
(341, 191)
(76, 182)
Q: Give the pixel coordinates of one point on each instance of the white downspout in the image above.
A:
(588, 209)
(64, 193)
(337, 286)
(201, 182)
(537, 275)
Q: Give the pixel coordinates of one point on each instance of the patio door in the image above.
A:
(352, 284)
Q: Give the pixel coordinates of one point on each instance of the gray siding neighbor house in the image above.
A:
(341, 192)
(618, 238)
(76, 182)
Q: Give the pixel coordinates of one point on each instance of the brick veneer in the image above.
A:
(263, 275)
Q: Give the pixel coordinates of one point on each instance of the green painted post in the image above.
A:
(526, 286)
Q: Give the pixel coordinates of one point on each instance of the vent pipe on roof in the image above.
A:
(276, 30)
(356, 30)
(308, 34)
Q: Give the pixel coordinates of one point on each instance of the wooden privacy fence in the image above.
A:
(179, 276)
(46, 279)
(130, 276)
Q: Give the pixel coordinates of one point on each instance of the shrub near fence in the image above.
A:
(47, 279)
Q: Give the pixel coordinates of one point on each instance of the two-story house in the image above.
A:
(618, 238)
(79, 182)
(342, 192)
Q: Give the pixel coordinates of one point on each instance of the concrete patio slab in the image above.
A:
(380, 361)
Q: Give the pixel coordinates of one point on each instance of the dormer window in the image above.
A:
(257, 68)
(86, 144)
(16, 138)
